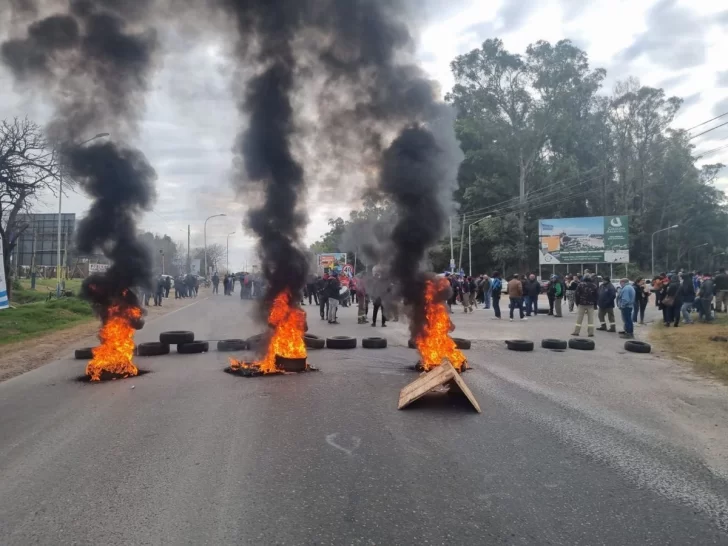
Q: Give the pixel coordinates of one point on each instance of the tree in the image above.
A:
(541, 142)
(164, 250)
(216, 254)
(27, 166)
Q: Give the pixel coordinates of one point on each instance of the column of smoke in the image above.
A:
(91, 60)
(393, 114)
(266, 31)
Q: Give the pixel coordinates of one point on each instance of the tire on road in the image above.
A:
(341, 342)
(581, 344)
(554, 344)
(519, 345)
(314, 342)
(374, 343)
(255, 342)
(85, 353)
(462, 344)
(227, 345)
(153, 348)
(175, 337)
(194, 347)
(634, 346)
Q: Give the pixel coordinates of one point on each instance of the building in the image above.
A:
(38, 243)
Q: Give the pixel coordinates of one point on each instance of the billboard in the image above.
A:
(332, 260)
(195, 266)
(593, 239)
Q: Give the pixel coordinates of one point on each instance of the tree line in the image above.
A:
(542, 140)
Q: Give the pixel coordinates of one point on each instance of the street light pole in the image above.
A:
(470, 245)
(227, 251)
(653, 245)
(60, 201)
(690, 263)
(204, 236)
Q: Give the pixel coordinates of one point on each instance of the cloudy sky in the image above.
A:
(191, 120)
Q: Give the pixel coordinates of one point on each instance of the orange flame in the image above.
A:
(434, 343)
(115, 353)
(288, 323)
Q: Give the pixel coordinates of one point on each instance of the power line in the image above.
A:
(709, 130)
(701, 124)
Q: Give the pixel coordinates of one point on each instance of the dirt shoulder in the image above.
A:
(23, 356)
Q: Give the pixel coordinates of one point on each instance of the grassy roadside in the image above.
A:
(33, 319)
(692, 343)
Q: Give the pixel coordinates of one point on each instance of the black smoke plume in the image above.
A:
(93, 62)
(266, 31)
(364, 54)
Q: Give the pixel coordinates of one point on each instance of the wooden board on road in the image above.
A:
(444, 374)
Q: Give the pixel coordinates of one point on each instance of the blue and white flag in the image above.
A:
(4, 303)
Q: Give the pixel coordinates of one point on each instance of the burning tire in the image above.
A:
(374, 343)
(86, 353)
(462, 344)
(176, 337)
(519, 345)
(341, 342)
(581, 344)
(226, 345)
(153, 348)
(314, 342)
(637, 346)
(194, 347)
(559, 344)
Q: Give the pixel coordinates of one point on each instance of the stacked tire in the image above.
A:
(185, 341)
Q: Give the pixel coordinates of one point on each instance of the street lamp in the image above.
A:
(470, 246)
(690, 268)
(227, 251)
(60, 201)
(204, 235)
(653, 245)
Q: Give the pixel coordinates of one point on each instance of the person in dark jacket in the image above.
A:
(333, 287)
(605, 302)
(323, 298)
(720, 284)
(215, 283)
(705, 298)
(496, 291)
(671, 301)
(311, 291)
(586, 298)
(167, 286)
(642, 296)
(159, 291)
(531, 290)
(687, 291)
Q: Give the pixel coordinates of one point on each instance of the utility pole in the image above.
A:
(32, 265)
(452, 250)
(462, 240)
(189, 264)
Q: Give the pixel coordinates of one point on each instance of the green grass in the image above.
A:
(42, 285)
(33, 319)
(693, 344)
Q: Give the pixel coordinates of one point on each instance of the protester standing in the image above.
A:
(605, 302)
(641, 298)
(515, 294)
(625, 303)
(531, 290)
(705, 298)
(720, 286)
(333, 288)
(671, 301)
(215, 283)
(586, 297)
(687, 290)
(496, 290)
(571, 284)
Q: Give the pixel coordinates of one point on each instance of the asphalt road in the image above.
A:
(192, 455)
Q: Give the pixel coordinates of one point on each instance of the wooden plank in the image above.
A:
(441, 375)
(457, 380)
(428, 381)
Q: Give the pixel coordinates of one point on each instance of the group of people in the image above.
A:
(679, 294)
(185, 286)
(251, 286)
